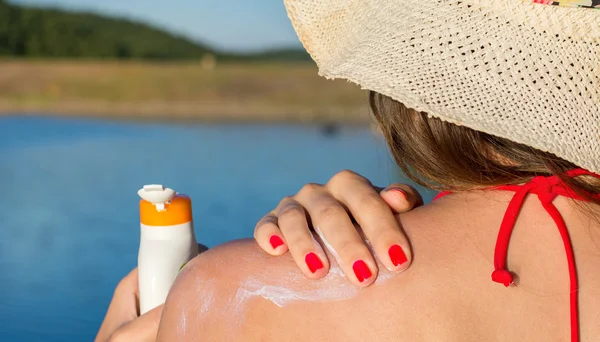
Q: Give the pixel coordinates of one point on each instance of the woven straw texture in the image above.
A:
(518, 70)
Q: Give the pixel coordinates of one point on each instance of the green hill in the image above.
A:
(53, 33)
(290, 55)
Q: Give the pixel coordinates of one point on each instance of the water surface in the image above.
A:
(69, 229)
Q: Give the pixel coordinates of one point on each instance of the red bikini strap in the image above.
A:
(547, 189)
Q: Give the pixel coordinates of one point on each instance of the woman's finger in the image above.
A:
(305, 250)
(332, 223)
(269, 236)
(375, 218)
(123, 307)
(142, 329)
(401, 198)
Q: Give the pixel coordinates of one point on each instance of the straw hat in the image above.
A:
(528, 71)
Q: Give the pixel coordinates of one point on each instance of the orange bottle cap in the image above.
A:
(177, 211)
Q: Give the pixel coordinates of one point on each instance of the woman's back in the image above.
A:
(238, 293)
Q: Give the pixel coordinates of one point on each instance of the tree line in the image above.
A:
(53, 33)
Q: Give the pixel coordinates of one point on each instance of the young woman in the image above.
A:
(497, 103)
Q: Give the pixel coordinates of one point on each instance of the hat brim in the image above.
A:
(521, 71)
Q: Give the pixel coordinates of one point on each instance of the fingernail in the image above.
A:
(361, 270)
(399, 191)
(397, 255)
(313, 262)
(275, 241)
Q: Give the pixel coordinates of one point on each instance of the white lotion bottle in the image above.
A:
(167, 242)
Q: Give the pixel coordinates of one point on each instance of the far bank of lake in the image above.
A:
(179, 91)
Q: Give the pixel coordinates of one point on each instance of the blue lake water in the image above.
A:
(69, 226)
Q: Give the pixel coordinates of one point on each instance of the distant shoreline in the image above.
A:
(202, 116)
(179, 92)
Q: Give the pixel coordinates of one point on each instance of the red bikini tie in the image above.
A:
(547, 189)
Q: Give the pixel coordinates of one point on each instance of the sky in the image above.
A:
(232, 25)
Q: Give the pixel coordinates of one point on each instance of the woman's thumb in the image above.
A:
(401, 197)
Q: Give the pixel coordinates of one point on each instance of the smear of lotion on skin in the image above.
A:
(327, 245)
(280, 288)
(184, 324)
(206, 294)
(333, 287)
(338, 270)
(207, 297)
(181, 325)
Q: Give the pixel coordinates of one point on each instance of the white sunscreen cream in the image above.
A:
(167, 242)
(282, 289)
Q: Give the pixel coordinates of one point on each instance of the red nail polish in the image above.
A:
(397, 255)
(275, 241)
(401, 192)
(361, 270)
(313, 262)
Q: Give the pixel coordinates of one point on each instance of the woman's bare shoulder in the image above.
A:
(207, 300)
(237, 292)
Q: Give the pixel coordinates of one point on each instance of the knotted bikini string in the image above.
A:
(547, 189)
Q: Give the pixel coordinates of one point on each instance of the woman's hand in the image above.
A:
(123, 321)
(329, 210)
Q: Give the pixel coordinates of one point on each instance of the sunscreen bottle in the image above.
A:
(167, 242)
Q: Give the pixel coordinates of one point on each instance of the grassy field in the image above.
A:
(180, 91)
